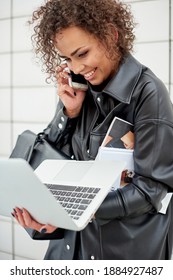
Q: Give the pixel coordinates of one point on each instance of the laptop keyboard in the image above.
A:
(74, 199)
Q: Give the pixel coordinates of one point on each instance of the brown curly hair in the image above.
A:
(93, 16)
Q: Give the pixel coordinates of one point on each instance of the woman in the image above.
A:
(95, 39)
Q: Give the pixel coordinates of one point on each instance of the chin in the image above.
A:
(96, 82)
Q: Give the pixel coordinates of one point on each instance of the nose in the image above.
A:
(76, 67)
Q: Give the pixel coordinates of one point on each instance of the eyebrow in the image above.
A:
(72, 54)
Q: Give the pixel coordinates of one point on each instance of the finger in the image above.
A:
(62, 78)
(61, 67)
(19, 216)
(26, 217)
(65, 89)
(59, 70)
(29, 221)
(65, 74)
(13, 213)
(26, 214)
(47, 229)
(62, 72)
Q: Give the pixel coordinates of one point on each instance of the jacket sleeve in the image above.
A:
(153, 160)
(60, 130)
(130, 201)
(36, 235)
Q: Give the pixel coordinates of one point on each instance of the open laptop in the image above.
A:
(55, 192)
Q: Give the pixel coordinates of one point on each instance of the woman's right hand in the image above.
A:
(72, 99)
(23, 217)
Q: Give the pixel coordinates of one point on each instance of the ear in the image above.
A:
(113, 31)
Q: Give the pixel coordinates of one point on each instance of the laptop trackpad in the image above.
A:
(73, 175)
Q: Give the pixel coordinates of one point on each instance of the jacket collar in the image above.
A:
(122, 85)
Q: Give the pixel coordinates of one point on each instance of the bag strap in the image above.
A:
(39, 138)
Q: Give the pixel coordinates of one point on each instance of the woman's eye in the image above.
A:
(66, 60)
(83, 54)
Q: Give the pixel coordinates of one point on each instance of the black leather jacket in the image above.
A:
(127, 224)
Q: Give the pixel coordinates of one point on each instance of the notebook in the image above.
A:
(62, 193)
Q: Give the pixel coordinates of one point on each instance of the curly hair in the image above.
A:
(95, 17)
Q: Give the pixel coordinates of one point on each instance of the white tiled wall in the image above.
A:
(27, 102)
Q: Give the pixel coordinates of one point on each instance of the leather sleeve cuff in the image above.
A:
(36, 235)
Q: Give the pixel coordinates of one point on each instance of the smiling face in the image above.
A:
(84, 55)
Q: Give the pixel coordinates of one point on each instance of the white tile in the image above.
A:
(153, 20)
(5, 35)
(34, 105)
(5, 219)
(5, 8)
(6, 237)
(21, 34)
(172, 62)
(5, 70)
(5, 139)
(26, 72)
(21, 258)
(5, 104)
(26, 247)
(171, 93)
(5, 256)
(171, 19)
(156, 57)
(21, 7)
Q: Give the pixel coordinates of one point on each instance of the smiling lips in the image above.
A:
(89, 75)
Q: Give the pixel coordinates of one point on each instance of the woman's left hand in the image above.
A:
(25, 220)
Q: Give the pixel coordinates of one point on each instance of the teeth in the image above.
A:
(89, 74)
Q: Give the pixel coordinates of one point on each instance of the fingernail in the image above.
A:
(14, 210)
(74, 93)
(12, 214)
(44, 230)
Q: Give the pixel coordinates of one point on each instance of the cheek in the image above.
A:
(97, 58)
(94, 61)
(105, 67)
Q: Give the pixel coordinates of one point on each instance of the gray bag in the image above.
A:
(35, 148)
